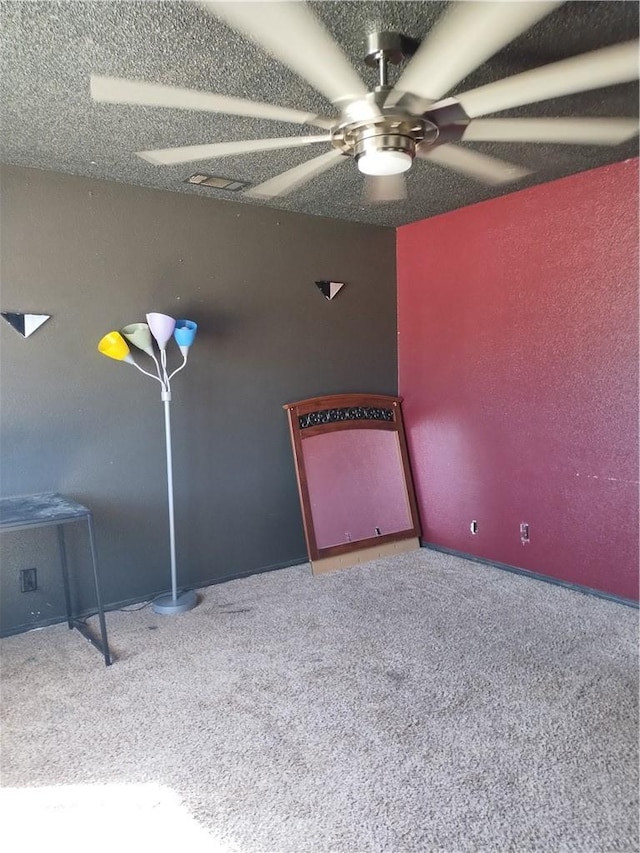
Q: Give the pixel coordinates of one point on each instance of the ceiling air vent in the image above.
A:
(215, 182)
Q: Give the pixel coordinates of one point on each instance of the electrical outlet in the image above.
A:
(28, 580)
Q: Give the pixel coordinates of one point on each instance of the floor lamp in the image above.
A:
(114, 345)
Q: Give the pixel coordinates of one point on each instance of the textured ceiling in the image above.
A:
(49, 49)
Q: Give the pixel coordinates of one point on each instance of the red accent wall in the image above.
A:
(518, 365)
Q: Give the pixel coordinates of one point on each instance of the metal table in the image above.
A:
(44, 510)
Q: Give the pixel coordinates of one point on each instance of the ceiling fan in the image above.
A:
(385, 129)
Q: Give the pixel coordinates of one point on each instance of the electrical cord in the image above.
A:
(134, 608)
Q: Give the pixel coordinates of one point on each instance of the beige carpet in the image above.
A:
(423, 703)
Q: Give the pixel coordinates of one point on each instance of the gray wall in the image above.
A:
(97, 255)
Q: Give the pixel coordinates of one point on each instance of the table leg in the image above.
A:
(103, 624)
(62, 550)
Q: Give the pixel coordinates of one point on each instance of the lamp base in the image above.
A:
(167, 605)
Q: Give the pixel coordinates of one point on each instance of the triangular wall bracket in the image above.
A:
(329, 289)
(25, 324)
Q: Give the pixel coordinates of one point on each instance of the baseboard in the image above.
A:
(33, 626)
(585, 590)
(299, 561)
(131, 602)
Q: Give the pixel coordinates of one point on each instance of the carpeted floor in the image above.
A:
(422, 703)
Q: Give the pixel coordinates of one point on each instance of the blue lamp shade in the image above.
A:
(185, 332)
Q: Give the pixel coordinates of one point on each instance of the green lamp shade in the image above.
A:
(114, 345)
(139, 335)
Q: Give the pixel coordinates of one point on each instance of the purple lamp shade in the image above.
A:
(185, 332)
(162, 327)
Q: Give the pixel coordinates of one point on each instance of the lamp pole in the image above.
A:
(166, 399)
(174, 603)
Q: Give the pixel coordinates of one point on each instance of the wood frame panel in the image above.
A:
(333, 413)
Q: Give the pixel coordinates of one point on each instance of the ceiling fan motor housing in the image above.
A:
(389, 133)
(381, 130)
(381, 138)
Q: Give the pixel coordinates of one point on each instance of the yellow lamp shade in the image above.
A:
(114, 345)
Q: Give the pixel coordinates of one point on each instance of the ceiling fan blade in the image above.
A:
(115, 90)
(379, 188)
(572, 131)
(189, 153)
(292, 34)
(605, 67)
(480, 167)
(287, 181)
(461, 41)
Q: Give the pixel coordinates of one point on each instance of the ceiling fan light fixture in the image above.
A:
(384, 162)
(384, 148)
